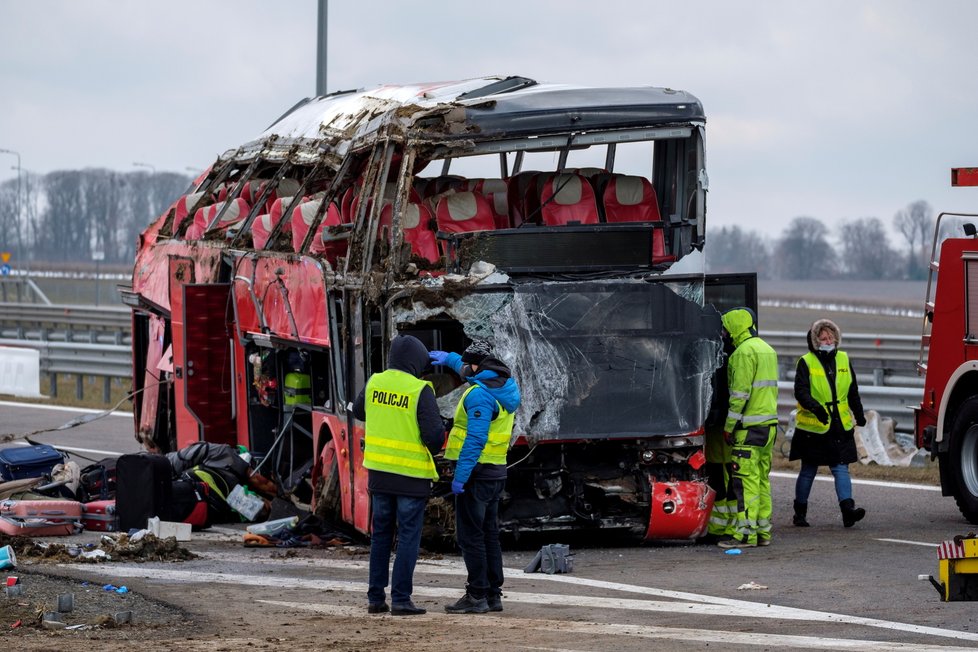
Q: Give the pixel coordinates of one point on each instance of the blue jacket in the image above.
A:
(493, 385)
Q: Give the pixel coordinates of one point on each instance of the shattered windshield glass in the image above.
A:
(597, 359)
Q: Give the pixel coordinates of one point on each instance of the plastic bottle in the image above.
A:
(272, 528)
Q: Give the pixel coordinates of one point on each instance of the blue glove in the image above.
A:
(438, 357)
(458, 487)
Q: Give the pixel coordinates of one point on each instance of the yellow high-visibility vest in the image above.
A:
(822, 393)
(500, 432)
(392, 441)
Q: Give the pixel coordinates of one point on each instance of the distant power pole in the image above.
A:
(321, 49)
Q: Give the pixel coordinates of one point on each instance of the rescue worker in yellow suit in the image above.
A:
(750, 427)
(723, 517)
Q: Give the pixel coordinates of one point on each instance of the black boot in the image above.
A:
(851, 513)
(801, 511)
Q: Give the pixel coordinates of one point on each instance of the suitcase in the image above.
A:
(34, 461)
(40, 518)
(99, 516)
(143, 490)
(98, 480)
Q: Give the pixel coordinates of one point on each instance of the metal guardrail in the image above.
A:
(106, 361)
(65, 323)
(893, 402)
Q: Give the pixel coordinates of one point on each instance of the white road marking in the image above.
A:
(868, 483)
(694, 603)
(911, 543)
(62, 408)
(72, 449)
(753, 639)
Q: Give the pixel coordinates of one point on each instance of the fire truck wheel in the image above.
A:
(962, 458)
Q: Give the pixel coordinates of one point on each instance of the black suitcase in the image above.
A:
(34, 461)
(143, 489)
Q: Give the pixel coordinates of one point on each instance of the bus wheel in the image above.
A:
(328, 494)
(963, 459)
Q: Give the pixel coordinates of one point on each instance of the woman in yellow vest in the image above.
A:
(403, 430)
(828, 408)
(479, 441)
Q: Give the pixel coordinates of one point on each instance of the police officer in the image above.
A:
(403, 430)
(750, 427)
(479, 441)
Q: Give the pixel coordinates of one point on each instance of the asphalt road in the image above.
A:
(825, 587)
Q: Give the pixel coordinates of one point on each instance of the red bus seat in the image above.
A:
(236, 211)
(494, 190)
(181, 210)
(566, 199)
(302, 218)
(630, 199)
(516, 187)
(416, 225)
(263, 225)
(462, 212)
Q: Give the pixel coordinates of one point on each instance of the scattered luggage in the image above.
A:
(98, 480)
(144, 488)
(100, 516)
(33, 461)
(40, 518)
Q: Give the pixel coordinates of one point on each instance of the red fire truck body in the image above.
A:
(946, 422)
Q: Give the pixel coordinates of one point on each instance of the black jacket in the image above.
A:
(838, 445)
(408, 354)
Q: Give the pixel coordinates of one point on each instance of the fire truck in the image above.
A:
(563, 224)
(946, 422)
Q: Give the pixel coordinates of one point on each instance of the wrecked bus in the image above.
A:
(563, 224)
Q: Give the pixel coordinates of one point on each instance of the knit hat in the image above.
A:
(478, 351)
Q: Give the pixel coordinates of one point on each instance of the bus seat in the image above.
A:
(566, 199)
(463, 212)
(531, 196)
(494, 190)
(302, 218)
(181, 210)
(659, 254)
(630, 199)
(416, 226)
(515, 193)
(263, 225)
(236, 211)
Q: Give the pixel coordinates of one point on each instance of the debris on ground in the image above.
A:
(111, 547)
(751, 586)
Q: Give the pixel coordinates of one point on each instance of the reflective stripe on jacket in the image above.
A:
(753, 377)
(822, 392)
(500, 432)
(392, 441)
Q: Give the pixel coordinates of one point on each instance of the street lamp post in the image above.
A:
(145, 165)
(20, 240)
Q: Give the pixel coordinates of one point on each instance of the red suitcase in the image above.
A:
(40, 518)
(99, 516)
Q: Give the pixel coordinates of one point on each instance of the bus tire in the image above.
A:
(328, 505)
(962, 459)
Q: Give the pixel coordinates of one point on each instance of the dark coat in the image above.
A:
(838, 445)
(408, 354)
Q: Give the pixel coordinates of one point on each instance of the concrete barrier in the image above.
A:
(20, 371)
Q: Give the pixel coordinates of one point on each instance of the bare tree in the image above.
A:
(866, 251)
(804, 252)
(732, 249)
(916, 224)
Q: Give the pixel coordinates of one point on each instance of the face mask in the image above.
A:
(827, 348)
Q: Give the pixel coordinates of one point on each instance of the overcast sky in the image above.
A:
(835, 109)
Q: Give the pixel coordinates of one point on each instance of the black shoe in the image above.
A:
(850, 513)
(407, 609)
(468, 605)
(708, 539)
(495, 602)
(377, 608)
(801, 515)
